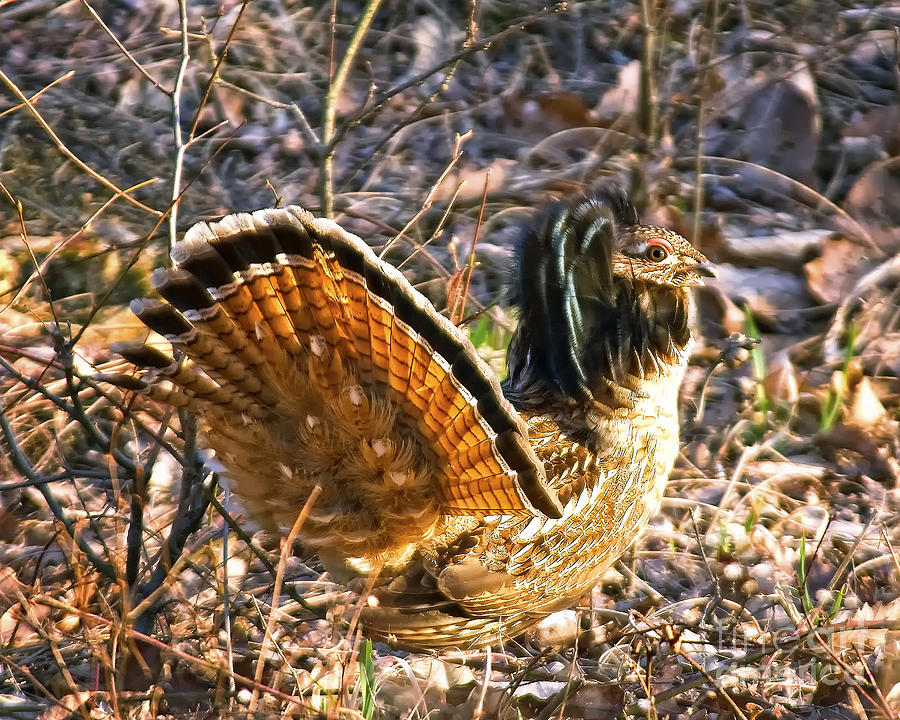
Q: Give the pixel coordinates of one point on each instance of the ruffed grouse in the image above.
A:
(481, 508)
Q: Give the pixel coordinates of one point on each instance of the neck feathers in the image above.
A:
(641, 334)
(584, 333)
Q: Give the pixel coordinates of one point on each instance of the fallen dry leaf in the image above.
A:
(779, 119)
(834, 272)
(874, 200)
(780, 382)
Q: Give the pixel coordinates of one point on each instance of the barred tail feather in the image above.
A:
(356, 383)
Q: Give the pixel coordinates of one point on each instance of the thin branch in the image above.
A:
(122, 48)
(261, 555)
(458, 311)
(292, 108)
(326, 170)
(58, 248)
(287, 545)
(40, 92)
(61, 146)
(167, 648)
(23, 235)
(701, 120)
(101, 303)
(217, 68)
(805, 192)
(429, 198)
(192, 505)
(647, 107)
(180, 147)
(466, 52)
(417, 114)
(21, 463)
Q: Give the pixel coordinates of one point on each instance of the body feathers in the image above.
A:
(314, 364)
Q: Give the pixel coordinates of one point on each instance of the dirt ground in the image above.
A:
(767, 133)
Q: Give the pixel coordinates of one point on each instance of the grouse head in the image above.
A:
(650, 254)
(600, 298)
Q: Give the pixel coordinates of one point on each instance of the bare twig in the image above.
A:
(23, 236)
(23, 466)
(458, 311)
(169, 649)
(647, 107)
(139, 250)
(292, 108)
(287, 545)
(39, 268)
(124, 50)
(180, 146)
(40, 92)
(326, 169)
(260, 554)
(382, 100)
(417, 114)
(217, 68)
(804, 191)
(61, 146)
(701, 117)
(485, 683)
(429, 197)
(720, 691)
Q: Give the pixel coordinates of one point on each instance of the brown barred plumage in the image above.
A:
(313, 363)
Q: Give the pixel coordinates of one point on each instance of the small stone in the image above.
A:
(559, 628)
(733, 572)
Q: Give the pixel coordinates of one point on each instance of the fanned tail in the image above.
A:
(315, 363)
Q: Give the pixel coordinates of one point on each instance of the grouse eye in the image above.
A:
(656, 253)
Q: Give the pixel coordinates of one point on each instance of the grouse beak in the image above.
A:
(693, 275)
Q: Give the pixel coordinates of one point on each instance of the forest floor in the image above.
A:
(767, 133)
